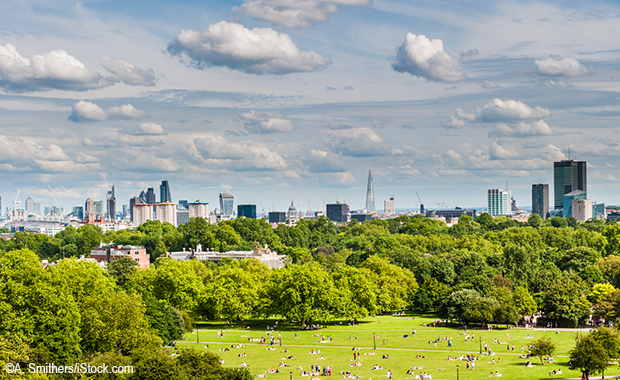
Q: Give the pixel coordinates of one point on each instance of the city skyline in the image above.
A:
(443, 98)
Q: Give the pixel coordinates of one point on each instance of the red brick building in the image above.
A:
(116, 252)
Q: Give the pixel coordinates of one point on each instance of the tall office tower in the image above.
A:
(89, 209)
(198, 210)
(540, 200)
(499, 202)
(99, 209)
(29, 206)
(151, 198)
(78, 212)
(125, 212)
(110, 201)
(370, 195)
(227, 203)
(183, 204)
(337, 212)
(568, 176)
(36, 207)
(133, 201)
(142, 212)
(142, 197)
(166, 212)
(247, 211)
(164, 192)
(389, 207)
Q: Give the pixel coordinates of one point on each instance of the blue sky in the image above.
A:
(297, 99)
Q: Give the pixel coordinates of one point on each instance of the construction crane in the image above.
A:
(62, 213)
(15, 203)
(300, 213)
(421, 205)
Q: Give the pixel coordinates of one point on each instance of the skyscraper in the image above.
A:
(389, 206)
(89, 209)
(142, 197)
(227, 203)
(110, 201)
(540, 200)
(29, 205)
(568, 176)
(370, 195)
(164, 192)
(151, 198)
(337, 212)
(499, 202)
(247, 211)
(133, 201)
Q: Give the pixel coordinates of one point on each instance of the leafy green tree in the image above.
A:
(589, 356)
(481, 310)
(543, 347)
(524, 302)
(397, 285)
(610, 267)
(304, 293)
(122, 270)
(154, 365)
(565, 299)
(535, 221)
(454, 306)
(198, 363)
(598, 291)
(115, 321)
(608, 306)
(612, 235)
(177, 283)
(358, 292)
(430, 294)
(506, 310)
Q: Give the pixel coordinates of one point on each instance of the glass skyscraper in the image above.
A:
(164, 192)
(227, 203)
(540, 200)
(568, 176)
(499, 202)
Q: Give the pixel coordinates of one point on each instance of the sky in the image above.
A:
(295, 100)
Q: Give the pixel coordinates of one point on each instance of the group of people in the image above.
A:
(496, 374)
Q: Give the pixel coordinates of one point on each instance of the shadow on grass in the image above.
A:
(263, 324)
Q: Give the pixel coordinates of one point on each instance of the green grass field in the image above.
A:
(338, 352)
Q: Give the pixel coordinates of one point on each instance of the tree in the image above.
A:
(543, 347)
(454, 306)
(430, 294)
(565, 299)
(358, 292)
(122, 270)
(588, 356)
(397, 285)
(608, 306)
(506, 310)
(304, 293)
(177, 283)
(524, 302)
(482, 310)
(535, 221)
(115, 321)
(598, 291)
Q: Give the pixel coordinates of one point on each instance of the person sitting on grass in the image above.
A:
(529, 365)
(497, 374)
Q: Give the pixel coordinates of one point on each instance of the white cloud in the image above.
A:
(500, 152)
(357, 142)
(150, 129)
(266, 122)
(53, 70)
(124, 112)
(498, 109)
(426, 58)
(553, 153)
(454, 122)
(565, 67)
(487, 84)
(84, 111)
(123, 71)
(293, 13)
(246, 155)
(255, 51)
(521, 129)
(321, 161)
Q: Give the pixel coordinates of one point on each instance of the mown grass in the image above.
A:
(338, 352)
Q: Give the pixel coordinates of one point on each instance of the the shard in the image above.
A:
(370, 195)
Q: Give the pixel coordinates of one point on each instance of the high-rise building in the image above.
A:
(164, 192)
(89, 209)
(133, 201)
(370, 195)
(567, 205)
(99, 209)
(183, 204)
(142, 197)
(338, 212)
(198, 210)
(568, 176)
(247, 211)
(78, 212)
(227, 203)
(389, 206)
(166, 212)
(151, 198)
(540, 200)
(581, 209)
(110, 201)
(182, 216)
(142, 212)
(29, 206)
(498, 202)
(277, 217)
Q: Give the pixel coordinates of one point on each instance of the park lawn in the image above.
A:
(402, 351)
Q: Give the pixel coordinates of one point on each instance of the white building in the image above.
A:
(264, 255)
(389, 206)
(142, 213)
(166, 212)
(582, 209)
(499, 202)
(198, 210)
